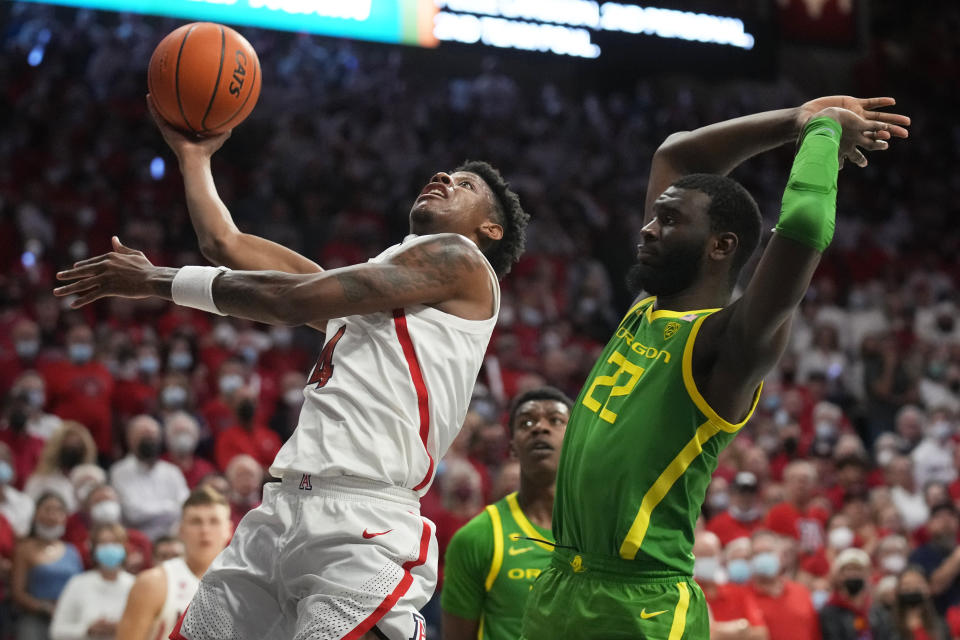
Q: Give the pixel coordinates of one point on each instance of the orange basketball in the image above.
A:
(204, 78)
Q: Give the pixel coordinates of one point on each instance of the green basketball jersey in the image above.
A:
(640, 446)
(490, 566)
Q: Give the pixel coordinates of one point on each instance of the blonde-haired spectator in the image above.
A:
(70, 446)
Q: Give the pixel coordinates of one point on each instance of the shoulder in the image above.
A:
(478, 530)
(446, 250)
(151, 584)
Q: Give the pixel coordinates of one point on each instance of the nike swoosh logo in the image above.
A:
(645, 615)
(368, 535)
(515, 552)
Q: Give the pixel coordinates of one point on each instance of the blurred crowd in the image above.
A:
(838, 502)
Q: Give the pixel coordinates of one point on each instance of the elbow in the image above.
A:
(217, 249)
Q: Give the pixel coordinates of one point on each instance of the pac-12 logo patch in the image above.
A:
(670, 329)
(419, 628)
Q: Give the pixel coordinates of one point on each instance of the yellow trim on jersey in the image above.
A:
(694, 393)
(680, 613)
(666, 313)
(480, 629)
(497, 561)
(660, 488)
(525, 525)
(637, 306)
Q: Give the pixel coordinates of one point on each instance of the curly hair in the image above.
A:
(509, 214)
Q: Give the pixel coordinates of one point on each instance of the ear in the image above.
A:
(491, 230)
(512, 449)
(724, 245)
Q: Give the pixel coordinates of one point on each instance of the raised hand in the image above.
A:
(124, 272)
(871, 135)
(866, 108)
(184, 143)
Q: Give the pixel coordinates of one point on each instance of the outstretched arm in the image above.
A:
(719, 148)
(447, 272)
(221, 242)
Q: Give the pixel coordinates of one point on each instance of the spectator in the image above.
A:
(933, 457)
(914, 616)
(734, 611)
(845, 616)
(219, 413)
(42, 565)
(287, 412)
(26, 355)
(797, 516)
(8, 541)
(81, 388)
(910, 426)
(15, 433)
(246, 436)
(940, 557)
(16, 507)
(92, 602)
(745, 513)
(31, 392)
(182, 435)
(167, 547)
(151, 490)
(101, 507)
(737, 557)
(69, 447)
(786, 605)
(245, 476)
(909, 502)
(892, 554)
(84, 478)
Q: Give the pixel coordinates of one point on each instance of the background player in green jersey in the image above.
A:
(491, 561)
(683, 371)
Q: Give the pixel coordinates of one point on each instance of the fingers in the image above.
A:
(76, 273)
(857, 158)
(88, 261)
(83, 300)
(82, 286)
(876, 103)
(120, 248)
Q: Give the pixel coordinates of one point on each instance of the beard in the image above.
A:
(673, 271)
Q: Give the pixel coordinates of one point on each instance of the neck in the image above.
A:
(771, 586)
(181, 459)
(197, 565)
(705, 294)
(109, 574)
(536, 500)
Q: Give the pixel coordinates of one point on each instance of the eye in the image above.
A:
(469, 185)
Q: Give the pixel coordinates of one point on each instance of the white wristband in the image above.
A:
(193, 287)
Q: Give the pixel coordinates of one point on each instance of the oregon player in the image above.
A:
(683, 371)
(492, 561)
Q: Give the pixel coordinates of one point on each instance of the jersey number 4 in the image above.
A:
(323, 370)
(618, 390)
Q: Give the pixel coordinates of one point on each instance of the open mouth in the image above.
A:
(433, 189)
(541, 446)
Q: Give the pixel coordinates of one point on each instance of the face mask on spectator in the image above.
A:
(225, 335)
(180, 360)
(819, 598)
(840, 538)
(173, 396)
(250, 355)
(884, 456)
(182, 443)
(36, 398)
(766, 564)
(719, 500)
(49, 533)
(71, 456)
(109, 555)
(941, 430)
(854, 586)
(293, 397)
(910, 598)
(826, 430)
(148, 365)
(148, 449)
(246, 411)
(27, 349)
(738, 570)
(230, 383)
(281, 337)
(6, 473)
(894, 563)
(706, 569)
(790, 445)
(106, 512)
(744, 515)
(18, 419)
(80, 352)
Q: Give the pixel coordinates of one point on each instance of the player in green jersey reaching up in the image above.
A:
(683, 371)
(492, 561)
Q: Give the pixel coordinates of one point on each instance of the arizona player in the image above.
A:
(682, 373)
(338, 548)
(492, 560)
(160, 595)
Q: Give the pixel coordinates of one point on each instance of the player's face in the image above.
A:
(538, 429)
(674, 240)
(457, 203)
(205, 530)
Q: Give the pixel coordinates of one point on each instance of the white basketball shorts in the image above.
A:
(321, 559)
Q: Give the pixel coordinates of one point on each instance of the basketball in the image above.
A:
(204, 78)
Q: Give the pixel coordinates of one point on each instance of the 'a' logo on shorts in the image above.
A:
(305, 483)
(419, 628)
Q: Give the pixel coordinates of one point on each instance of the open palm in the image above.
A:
(866, 108)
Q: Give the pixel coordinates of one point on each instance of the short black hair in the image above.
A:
(732, 209)
(510, 215)
(540, 393)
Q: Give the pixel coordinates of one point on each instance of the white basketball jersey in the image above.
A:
(181, 585)
(389, 393)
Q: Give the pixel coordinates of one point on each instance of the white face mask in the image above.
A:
(706, 569)
(894, 563)
(182, 443)
(840, 538)
(106, 512)
(49, 533)
(230, 383)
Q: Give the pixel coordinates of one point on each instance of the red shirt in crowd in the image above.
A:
(26, 450)
(729, 528)
(83, 392)
(789, 616)
(733, 602)
(132, 398)
(8, 540)
(218, 415)
(259, 442)
(195, 472)
(806, 526)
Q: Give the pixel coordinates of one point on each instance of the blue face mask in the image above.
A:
(180, 360)
(80, 352)
(6, 473)
(738, 570)
(766, 564)
(149, 365)
(110, 555)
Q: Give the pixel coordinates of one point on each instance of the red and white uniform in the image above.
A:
(339, 548)
(181, 586)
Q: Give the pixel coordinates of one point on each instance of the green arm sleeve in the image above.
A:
(809, 206)
(465, 568)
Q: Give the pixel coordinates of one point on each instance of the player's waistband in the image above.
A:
(348, 488)
(611, 567)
